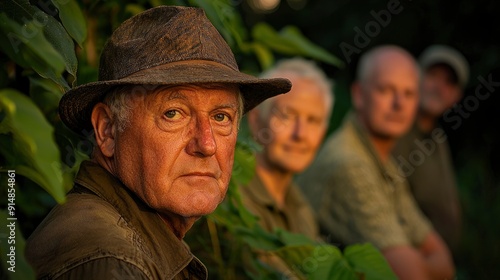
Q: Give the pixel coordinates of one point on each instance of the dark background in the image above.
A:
(472, 28)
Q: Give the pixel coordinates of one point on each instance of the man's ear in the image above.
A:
(356, 96)
(104, 128)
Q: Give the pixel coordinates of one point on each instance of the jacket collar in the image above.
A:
(154, 237)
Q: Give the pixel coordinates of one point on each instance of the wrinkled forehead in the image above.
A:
(158, 95)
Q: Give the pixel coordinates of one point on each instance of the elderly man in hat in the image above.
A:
(424, 153)
(165, 115)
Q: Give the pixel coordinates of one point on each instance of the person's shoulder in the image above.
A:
(85, 227)
(82, 214)
(341, 147)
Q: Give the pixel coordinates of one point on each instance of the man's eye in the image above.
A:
(221, 117)
(172, 114)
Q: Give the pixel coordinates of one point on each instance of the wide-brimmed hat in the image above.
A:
(165, 45)
(444, 54)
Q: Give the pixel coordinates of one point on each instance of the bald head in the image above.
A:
(385, 94)
(385, 58)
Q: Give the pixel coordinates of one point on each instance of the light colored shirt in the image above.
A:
(357, 197)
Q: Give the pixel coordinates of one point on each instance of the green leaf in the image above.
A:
(257, 237)
(314, 262)
(340, 271)
(290, 41)
(244, 164)
(264, 55)
(72, 18)
(266, 35)
(289, 238)
(134, 9)
(310, 49)
(45, 93)
(34, 24)
(30, 51)
(213, 11)
(23, 270)
(34, 142)
(367, 260)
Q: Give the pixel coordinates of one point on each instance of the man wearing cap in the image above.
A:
(165, 115)
(424, 154)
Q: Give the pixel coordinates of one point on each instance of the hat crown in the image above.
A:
(160, 36)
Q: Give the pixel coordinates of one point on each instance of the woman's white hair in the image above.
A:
(303, 69)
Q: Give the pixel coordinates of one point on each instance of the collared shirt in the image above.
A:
(104, 231)
(359, 198)
(296, 216)
(426, 162)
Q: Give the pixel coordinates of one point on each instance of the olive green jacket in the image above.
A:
(296, 216)
(359, 198)
(104, 231)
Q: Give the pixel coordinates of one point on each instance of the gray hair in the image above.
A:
(300, 68)
(120, 102)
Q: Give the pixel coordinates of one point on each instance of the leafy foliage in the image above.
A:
(37, 156)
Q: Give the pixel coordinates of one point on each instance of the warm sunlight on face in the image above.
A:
(297, 121)
(177, 150)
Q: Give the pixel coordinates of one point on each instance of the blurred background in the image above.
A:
(472, 27)
(334, 33)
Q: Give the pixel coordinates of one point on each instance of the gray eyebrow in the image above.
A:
(176, 95)
(227, 105)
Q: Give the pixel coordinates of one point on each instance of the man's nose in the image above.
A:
(397, 102)
(299, 129)
(202, 142)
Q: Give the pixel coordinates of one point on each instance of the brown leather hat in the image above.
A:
(165, 45)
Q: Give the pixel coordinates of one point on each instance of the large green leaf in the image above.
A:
(34, 142)
(367, 260)
(291, 41)
(30, 52)
(23, 270)
(34, 24)
(72, 18)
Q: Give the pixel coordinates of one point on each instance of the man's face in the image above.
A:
(388, 99)
(176, 151)
(296, 124)
(440, 90)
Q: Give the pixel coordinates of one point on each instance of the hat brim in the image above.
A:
(76, 105)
